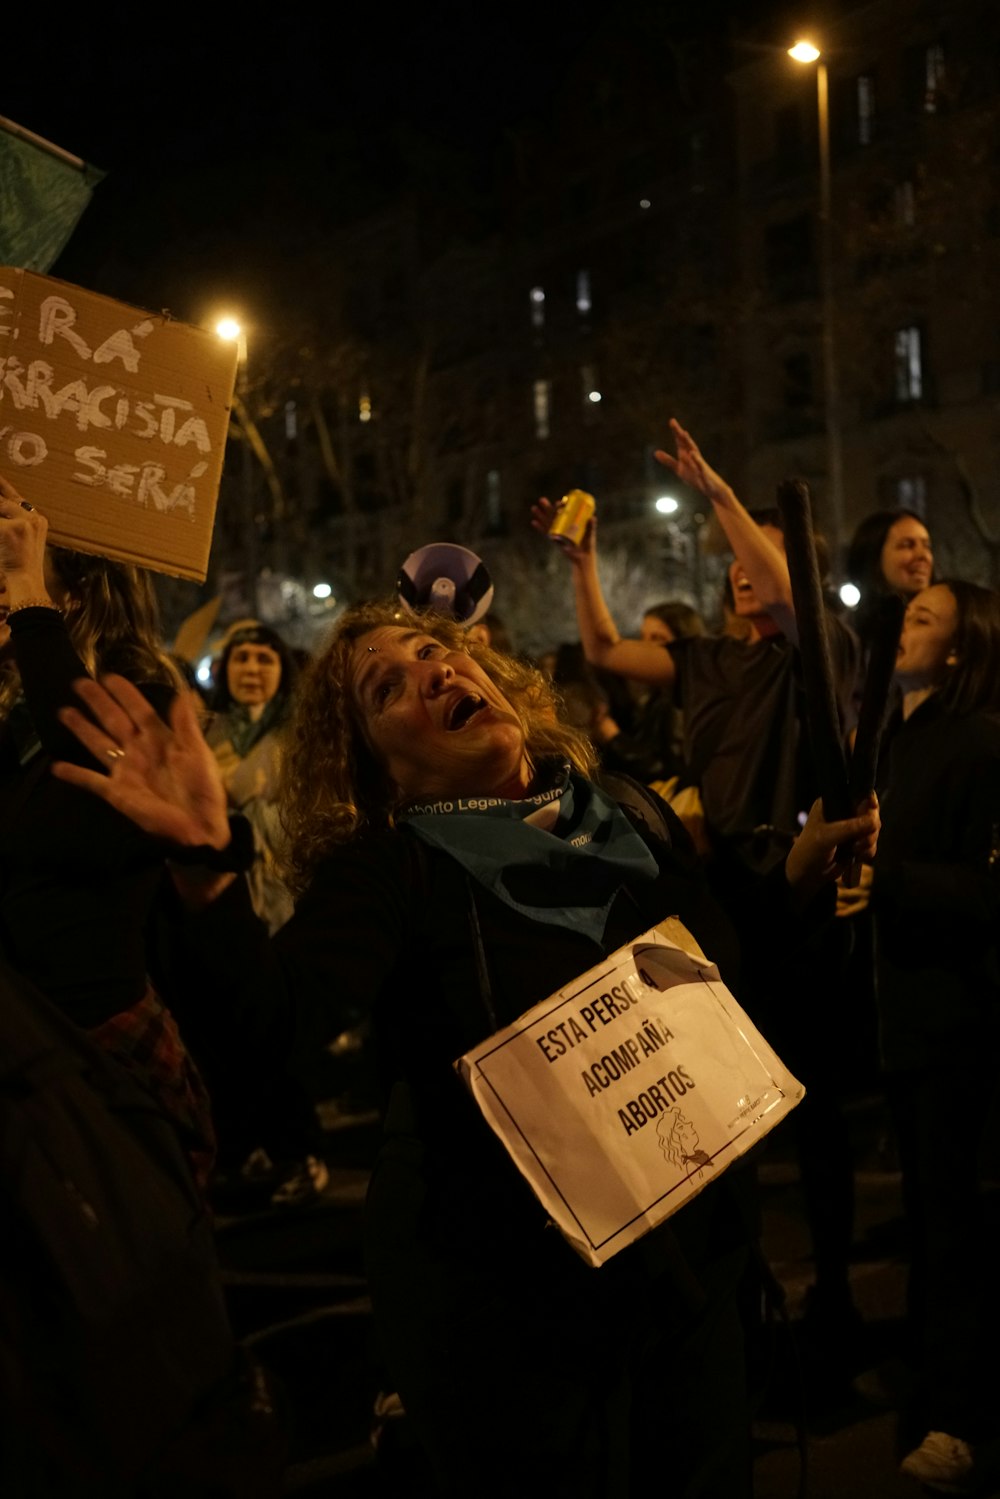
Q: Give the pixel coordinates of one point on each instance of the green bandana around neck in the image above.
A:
(567, 876)
(243, 731)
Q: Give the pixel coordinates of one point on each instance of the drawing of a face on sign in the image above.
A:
(113, 421)
(681, 1143)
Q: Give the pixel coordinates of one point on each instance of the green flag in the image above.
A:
(43, 192)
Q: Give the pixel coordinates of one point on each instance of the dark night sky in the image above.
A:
(216, 134)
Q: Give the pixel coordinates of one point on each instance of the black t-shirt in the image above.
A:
(745, 740)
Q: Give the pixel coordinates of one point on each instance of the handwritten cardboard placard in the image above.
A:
(113, 422)
(629, 1091)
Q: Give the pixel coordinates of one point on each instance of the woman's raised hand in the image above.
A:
(542, 513)
(164, 777)
(691, 467)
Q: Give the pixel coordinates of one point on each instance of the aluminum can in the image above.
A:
(572, 516)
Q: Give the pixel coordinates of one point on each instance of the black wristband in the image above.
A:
(235, 858)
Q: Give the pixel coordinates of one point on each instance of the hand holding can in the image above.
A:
(573, 514)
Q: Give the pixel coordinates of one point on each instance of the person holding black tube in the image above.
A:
(747, 749)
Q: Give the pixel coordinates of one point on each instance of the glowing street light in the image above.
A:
(806, 52)
(322, 591)
(850, 594)
(231, 330)
(667, 505)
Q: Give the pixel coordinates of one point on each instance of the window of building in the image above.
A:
(911, 493)
(933, 77)
(637, 171)
(455, 501)
(494, 512)
(576, 199)
(542, 401)
(865, 109)
(789, 135)
(905, 205)
(798, 382)
(583, 301)
(909, 364)
(698, 159)
(537, 300)
(789, 258)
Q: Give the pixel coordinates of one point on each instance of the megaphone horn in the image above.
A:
(449, 579)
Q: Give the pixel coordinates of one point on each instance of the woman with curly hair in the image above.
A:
(456, 863)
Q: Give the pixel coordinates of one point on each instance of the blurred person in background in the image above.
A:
(250, 705)
(890, 552)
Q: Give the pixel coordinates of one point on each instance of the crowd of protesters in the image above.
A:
(217, 890)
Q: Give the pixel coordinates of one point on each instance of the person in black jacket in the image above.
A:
(747, 752)
(455, 864)
(77, 880)
(935, 901)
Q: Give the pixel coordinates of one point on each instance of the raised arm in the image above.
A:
(162, 776)
(762, 561)
(640, 660)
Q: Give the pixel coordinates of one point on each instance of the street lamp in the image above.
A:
(231, 330)
(805, 52)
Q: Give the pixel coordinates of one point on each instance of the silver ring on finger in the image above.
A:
(24, 505)
(115, 754)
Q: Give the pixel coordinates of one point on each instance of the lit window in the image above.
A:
(364, 407)
(866, 110)
(909, 365)
(537, 296)
(583, 292)
(493, 512)
(911, 493)
(933, 77)
(542, 391)
(905, 205)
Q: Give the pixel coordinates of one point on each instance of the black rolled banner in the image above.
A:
(822, 716)
(872, 713)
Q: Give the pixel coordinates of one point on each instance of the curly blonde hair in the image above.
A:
(332, 787)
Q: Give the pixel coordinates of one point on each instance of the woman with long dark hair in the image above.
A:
(890, 552)
(935, 899)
